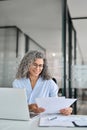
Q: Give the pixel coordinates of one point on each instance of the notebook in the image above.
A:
(13, 104)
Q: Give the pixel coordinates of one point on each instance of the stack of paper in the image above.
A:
(54, 104)
(51, 117)
(64, 121)
(50, 121)
(80, 123)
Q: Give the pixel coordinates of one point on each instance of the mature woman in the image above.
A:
(33, 75)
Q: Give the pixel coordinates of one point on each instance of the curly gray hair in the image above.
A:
(28, 59)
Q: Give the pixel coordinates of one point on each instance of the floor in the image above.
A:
(82, 108)
(81, 103)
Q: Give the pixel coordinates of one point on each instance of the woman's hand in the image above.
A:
(34, 108)
(66, 111)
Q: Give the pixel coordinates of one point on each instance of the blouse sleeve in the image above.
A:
(16, 84)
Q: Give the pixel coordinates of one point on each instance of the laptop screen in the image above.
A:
(13, 104)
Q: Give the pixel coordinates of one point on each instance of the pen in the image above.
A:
(52, 118)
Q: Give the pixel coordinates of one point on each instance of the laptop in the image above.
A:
(13, 104)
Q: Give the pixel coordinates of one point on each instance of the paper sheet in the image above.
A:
(54, 104)
(61, 120)
(80, 123)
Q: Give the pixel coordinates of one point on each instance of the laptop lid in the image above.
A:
(13, 104)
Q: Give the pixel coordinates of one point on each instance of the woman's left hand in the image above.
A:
(66, 111)
(34, 108)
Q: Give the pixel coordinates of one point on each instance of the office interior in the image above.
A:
(45, 25)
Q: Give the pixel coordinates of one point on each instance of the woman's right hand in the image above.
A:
(34, 108)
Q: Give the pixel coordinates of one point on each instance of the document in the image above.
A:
(55, 120)
(61, 120)
(80, 123)
(54, 104)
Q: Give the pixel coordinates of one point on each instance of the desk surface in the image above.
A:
(31, 125)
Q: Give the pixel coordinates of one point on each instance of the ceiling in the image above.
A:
(78, 9)
(40, 19)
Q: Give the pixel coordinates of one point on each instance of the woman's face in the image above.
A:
(36, 67)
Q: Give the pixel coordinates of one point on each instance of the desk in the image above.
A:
(32, 125)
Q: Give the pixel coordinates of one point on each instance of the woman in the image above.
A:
(33, 75)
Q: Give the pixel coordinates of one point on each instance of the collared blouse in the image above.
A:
(42, 88)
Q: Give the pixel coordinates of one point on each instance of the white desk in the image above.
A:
(31, 125)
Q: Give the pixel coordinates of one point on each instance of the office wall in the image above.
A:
(7, 55)
(12, 50)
